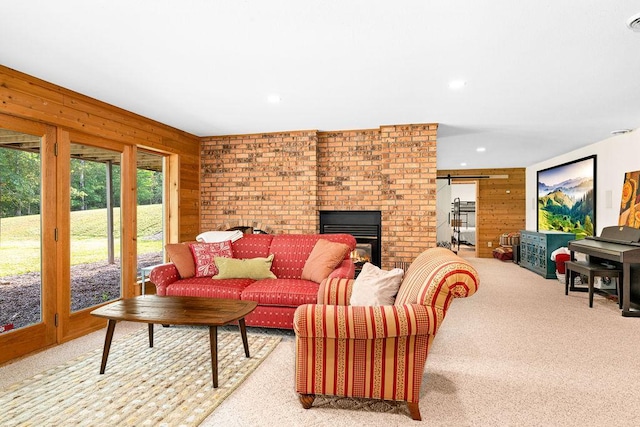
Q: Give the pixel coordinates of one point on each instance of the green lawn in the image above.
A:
(20, 238)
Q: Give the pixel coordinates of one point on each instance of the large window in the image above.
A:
(20, 230)
(150, 211)
(95, 226)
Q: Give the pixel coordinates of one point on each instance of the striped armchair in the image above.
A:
(377, 352)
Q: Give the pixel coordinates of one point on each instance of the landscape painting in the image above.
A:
(566, 197)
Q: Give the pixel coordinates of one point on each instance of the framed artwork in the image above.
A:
(630, 204)
(567, 197)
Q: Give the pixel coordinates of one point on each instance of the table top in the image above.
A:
(176, 310)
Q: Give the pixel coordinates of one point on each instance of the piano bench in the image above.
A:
(590, 270)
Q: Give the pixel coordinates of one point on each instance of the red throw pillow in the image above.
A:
(204, 254)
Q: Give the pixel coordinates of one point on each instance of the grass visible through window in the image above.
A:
(20, 238)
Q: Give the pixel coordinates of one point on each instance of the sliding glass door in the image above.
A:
(150, 213)
(91, 215)
(70, 239)
(27, 287)
(95, 226)
(20, 231)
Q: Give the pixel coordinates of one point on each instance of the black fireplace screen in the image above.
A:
(365, 226)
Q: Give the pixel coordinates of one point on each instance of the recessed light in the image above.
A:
(457, 84)
(463, 164)
(481, 149)
(274, 99)
(634, 22)
(620, 131)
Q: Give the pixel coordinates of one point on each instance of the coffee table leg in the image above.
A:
(111, 326)
(213, 339)
(243, 333)
(150, 334)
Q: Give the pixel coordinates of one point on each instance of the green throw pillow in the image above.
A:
(250, 268)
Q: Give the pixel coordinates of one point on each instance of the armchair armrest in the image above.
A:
(346, 269)
(370, 322)
(162, 276)
(335, 291)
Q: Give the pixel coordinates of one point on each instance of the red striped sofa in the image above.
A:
(377, 352)
(277, 298)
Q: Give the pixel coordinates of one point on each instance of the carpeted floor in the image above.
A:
(517, 353)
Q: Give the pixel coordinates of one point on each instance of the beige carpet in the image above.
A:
(170, 384)
(517, 353)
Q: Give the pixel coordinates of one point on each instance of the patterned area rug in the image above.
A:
(169, 384)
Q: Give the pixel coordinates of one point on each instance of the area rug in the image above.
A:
(169, 384)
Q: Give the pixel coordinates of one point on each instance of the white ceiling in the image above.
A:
(543, 76)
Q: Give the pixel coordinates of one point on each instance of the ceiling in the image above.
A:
(542, 77)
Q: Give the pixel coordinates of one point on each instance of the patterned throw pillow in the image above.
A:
(204, 254)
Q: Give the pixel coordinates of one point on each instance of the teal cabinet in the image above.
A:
(536, 248)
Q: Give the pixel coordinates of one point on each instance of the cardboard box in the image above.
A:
(605, 283)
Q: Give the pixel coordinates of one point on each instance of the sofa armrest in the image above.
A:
(360, 322)
(346, 269)
(335, 291)
(162, 276)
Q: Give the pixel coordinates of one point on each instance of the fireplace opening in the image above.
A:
(365, 226)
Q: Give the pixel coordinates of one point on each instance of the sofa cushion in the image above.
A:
(250, 268)
(323, 259)
(204, 254)
(252, 246)
(374, 286)
(206, 287)
(282, 292)
(291, 251)
(180, 254)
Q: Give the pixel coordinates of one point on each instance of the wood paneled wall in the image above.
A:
(500, 204)
(62, 117)
(27, 97)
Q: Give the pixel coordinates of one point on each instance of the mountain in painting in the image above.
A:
(557, 198)
(567, 207)
(574, 188)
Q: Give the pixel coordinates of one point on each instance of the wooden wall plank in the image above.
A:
(42, 109)
(24, 96)
(21, 82)
(500, 205)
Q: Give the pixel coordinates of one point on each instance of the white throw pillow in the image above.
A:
(374, 286)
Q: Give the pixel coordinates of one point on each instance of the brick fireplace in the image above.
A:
(286, 179)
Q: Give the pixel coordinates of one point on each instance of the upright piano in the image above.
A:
(619, 245)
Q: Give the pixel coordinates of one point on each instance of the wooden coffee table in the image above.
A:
(154, 309)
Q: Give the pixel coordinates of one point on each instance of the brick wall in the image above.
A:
(264, 178)
(284, 179)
